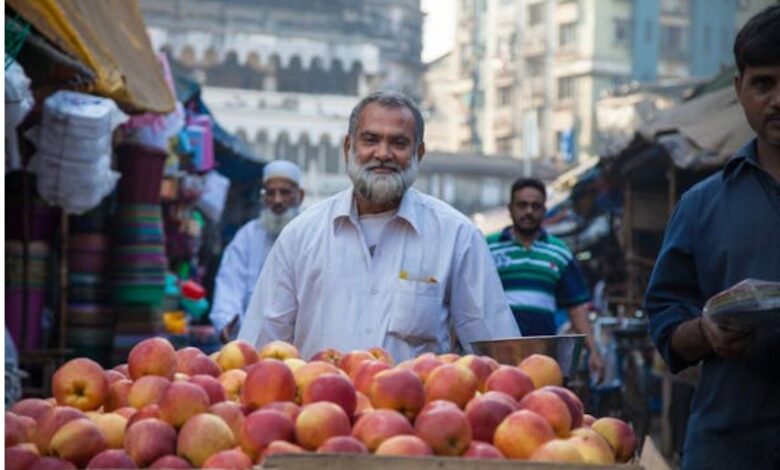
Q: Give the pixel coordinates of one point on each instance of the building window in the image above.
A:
(567, 35)
(535, 14)
(534, 67)
(566, 88)
(621, 33)
(504, 97)
(674, 42)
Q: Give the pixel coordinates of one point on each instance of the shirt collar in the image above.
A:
(506, 235)
(346, 208)
(746, 155)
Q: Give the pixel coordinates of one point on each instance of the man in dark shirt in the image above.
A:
(724, 230)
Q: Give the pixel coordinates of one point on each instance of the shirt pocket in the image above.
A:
(416, 315)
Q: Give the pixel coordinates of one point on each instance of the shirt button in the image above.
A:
(374, 290)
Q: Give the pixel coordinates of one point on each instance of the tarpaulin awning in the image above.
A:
(110, 38)
(714, 123)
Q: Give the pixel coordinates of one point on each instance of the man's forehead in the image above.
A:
(279, 183)
(376, 117)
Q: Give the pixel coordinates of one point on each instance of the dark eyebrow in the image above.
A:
(761, 77)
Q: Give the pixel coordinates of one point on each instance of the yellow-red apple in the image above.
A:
(20, 458)
(53, 463)
(510, 380)
(170, 462)
(308, 372)
(404, 445)
(288, 408)
(365, 372)
(50, 422)
(332, 388)
(80, 383)
(202, 436)
(147, 390)
(318, 421)
(482, 450)
(112, 426)
(353, 358)
(153, 356)
(330, 355)
(485, 414)
(557, 450)
(592, 446)
(149, 411)
(233, 459)
(77, 441)
(449, 358)
(588, 420)
(382, 355)
(261, 428)
(114, 375)
(211, 386)
(620, 436)
(236, 355)
(111, 458)
(551, 407)
(521, 433)
(573, 402)
(15, 431)
(543, 370)
(279, 350)
(181, 401)
(32, 407)
(118, 392)
(425, 364)
(342, 445)
(479, 366)
(232, 382)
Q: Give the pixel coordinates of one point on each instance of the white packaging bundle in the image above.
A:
(18, 102)
(73, 150)
(215, 191)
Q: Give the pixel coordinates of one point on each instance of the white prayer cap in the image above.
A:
(282, 169)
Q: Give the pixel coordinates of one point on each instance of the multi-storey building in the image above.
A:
(284, 75)
(532, 70)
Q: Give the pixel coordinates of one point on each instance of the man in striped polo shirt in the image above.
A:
(538, 271)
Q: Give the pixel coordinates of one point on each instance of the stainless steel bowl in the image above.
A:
(565, 349)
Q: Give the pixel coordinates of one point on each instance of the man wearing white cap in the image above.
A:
(380, 263)
(245, 255)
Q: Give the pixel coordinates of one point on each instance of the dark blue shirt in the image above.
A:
(725, 229)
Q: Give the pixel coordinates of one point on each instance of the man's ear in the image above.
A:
(737, 82)
(346, 146)
(420, 152)
(301, 194)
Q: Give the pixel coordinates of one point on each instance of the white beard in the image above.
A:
(381, 188)
(274, 223)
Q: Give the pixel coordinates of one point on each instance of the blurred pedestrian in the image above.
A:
(245, 255)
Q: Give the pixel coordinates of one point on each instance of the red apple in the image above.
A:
(479, 366)
(485, 414)
(452, 382)
(588, 420)
(365, 372)
(111, 458)
(318, 421)
(445, 428)
(573, 402)
(510, 380)
(342, 445)
(449, 358)
(288, 408)
(308, 372)
(333, 388)
(425, 364)
(380, 425)
(148, 411)
(153, 356)
(330, 355)
(53, 463)
(181, 401)
(279, 448)
(233, 382)
(118, 391)
(114, 375)
(353, 358)
(20, 458)
(231, 413)
(202, 436)
(262, 427)
(482, 450)
(404, 446)
(15, 432)
(399, 390)
(148, 440)
(147, 390)
(80, 383)
(267, 381)
(232, 458)
(170, 462)
(126, 411)
(32, 407)
(382, 355)
(123, 369)
(557, 450)
(500, 396)
(211, 386)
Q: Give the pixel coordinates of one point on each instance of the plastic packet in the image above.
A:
(747, 305)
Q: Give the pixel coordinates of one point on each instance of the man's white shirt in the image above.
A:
(430, 274)
(238, 272)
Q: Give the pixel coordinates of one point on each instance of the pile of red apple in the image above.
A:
(184, 409)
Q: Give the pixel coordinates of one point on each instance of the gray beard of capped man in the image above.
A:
(381, 188)
(273, 223)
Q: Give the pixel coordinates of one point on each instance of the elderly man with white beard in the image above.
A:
(245, 255)
(380, 264)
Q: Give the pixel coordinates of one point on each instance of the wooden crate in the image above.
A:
(312, 461)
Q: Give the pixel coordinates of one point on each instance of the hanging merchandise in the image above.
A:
(201, 138)
(73, 156)
(18, 102)
(215, 191)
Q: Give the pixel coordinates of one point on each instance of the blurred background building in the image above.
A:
(524, 76)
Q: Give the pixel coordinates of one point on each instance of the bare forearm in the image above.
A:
(688, 341)
(581, 324)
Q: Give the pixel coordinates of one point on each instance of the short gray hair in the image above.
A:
(390, 99)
